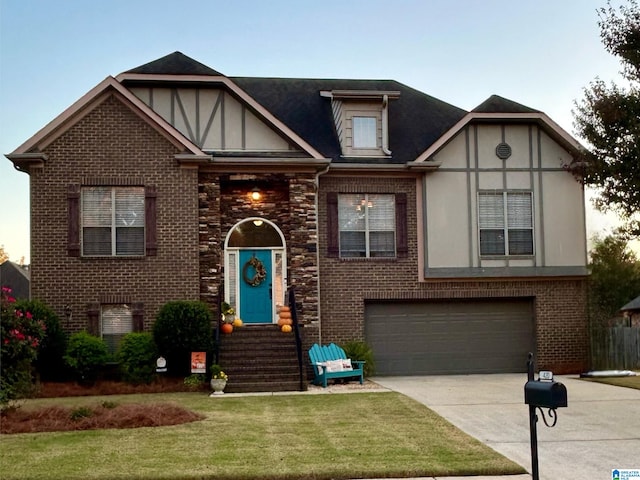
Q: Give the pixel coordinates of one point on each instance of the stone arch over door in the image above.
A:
(255, 269)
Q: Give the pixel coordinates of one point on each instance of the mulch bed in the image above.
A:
(106, 414)
(108, 387)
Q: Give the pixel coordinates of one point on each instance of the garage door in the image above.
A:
(450, 337)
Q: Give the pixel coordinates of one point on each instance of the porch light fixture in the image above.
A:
(258, 223)
(255, 194)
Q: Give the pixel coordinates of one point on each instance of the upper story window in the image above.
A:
(367, 225)
(365, 132)
(113, 221)
(362, 121)
(505, 223)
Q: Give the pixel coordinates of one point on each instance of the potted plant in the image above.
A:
(218, 379)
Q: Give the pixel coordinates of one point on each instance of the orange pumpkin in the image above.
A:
(285, 314)
(284, 321)
(226, 328)
(284, 308)
(286, 328)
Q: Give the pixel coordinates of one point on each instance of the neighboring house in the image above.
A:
(451, 241)
(631, 312)
(15, 277)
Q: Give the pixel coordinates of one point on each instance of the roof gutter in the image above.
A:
(385, 124)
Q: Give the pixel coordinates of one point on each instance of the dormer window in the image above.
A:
(362, 121)
(365, 131)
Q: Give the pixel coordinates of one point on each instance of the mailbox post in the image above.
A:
(541, 393)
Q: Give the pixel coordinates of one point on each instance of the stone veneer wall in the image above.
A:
(288, 200)
(346, 285)
(113, 146)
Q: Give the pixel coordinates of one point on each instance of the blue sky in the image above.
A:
(539, 53)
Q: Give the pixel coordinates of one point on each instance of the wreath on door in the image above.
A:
(259, 272)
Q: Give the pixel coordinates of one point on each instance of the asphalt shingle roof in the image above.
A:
(176, 63)
(632, 305)
(498, 104)
(416, 120)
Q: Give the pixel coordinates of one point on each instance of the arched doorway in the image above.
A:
(255, 270)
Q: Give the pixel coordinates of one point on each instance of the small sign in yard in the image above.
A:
(198, 362)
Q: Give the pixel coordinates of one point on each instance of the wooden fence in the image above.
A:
(616, 348)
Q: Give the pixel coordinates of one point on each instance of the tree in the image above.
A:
(615, 277)
(4, 256)
(608, 118)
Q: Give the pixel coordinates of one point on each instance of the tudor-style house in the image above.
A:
(451, 241)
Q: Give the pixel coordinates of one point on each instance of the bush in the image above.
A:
(50, 363)
(358, 350)
(137, 356)
(80, 412)
(195, 382)
(182, 327)
(21, 334)
(86, 355)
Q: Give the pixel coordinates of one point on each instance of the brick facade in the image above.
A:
(195, 212)
(113, 146)
(197, 203)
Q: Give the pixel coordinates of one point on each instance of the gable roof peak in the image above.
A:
(498, 104)
(176, 63)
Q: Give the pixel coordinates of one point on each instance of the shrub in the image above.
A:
(195, 381)
(50, 363)
(79, 413)
(137, 356)
(182, 327)
(358, 350)
(86, 354)
(20, 336)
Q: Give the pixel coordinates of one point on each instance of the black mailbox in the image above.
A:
(545, 394)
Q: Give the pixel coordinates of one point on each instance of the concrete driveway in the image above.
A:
(597, 432)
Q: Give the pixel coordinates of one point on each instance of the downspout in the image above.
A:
(317, 182)
(385, 125)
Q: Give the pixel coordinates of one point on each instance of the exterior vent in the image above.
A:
(503, 151)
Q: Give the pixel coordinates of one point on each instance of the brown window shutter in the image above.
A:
(137, 314)
(402, 247)
(93, 315)
(333, 236)
(151, 239)
(73, 220)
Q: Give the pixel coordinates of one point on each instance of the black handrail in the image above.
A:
(218, 320)
(296, 330)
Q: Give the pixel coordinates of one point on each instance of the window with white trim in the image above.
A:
(365, 132)
(113, 221)
(505, 223)
(367, 225)
(115, 322)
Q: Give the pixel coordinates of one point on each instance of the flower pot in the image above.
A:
(218, 384)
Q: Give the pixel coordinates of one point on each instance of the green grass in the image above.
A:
(629, 382)
(316, 437)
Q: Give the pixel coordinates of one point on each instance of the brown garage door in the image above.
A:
(450, 337)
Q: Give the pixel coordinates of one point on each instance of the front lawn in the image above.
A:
(335, 436)
(629, 382)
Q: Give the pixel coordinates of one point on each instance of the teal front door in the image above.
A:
(256, 305)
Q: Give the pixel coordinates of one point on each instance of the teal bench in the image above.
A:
(330, 362)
